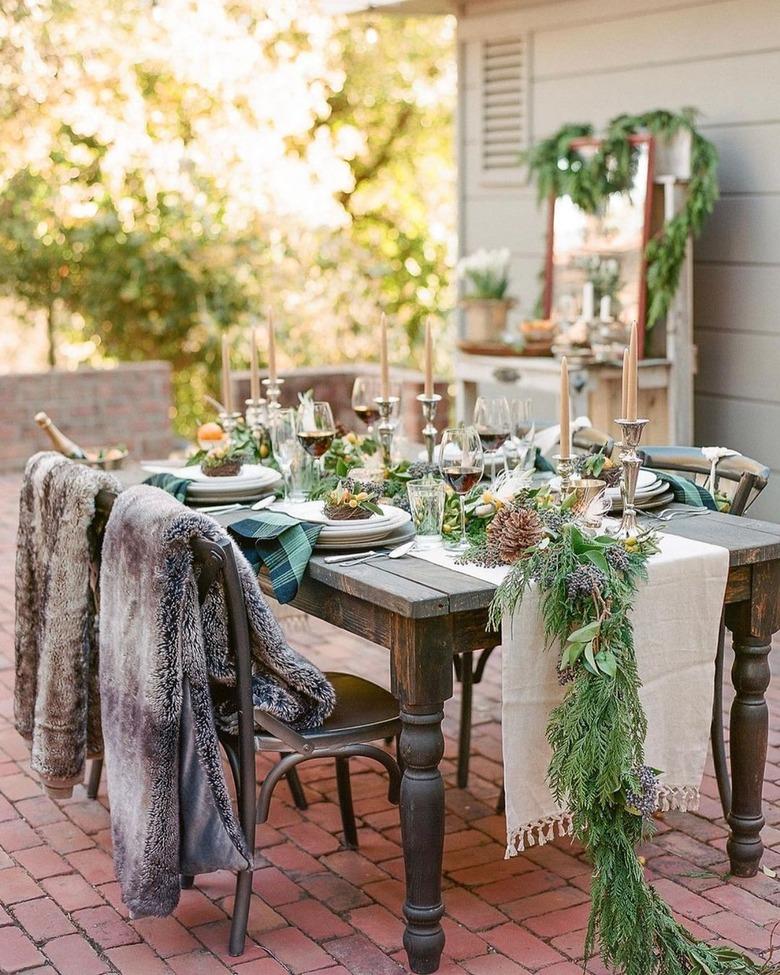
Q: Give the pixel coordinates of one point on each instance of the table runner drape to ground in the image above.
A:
(676, 622)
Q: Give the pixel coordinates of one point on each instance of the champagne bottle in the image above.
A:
(62, 443)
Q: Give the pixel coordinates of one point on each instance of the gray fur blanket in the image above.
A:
(56, 701)
(163, 660)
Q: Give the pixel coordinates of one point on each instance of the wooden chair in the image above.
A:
(469, 669)
(744, 479)
(364, 713)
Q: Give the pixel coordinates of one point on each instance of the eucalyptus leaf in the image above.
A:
(598, 559)
(607, 663)
(585, 633)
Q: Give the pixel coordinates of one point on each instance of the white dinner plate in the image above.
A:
(315, 511)
(396, 537)
(250, 475)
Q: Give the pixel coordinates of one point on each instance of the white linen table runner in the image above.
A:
(676, 622)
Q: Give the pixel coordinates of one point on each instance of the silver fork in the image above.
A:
(670, 513)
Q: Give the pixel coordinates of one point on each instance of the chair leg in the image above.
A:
(466, 700)
(296, 789)
(716, 731)
(186, 881)
(345, 802)
(240, 913)
(95, 772)
(501, 801)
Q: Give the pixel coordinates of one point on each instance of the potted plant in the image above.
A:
(485, 277)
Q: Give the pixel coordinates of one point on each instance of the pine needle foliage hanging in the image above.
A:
(562, 169)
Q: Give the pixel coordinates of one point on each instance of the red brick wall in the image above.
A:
(129, 404)
(334, 384)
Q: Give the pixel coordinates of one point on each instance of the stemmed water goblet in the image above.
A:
(523, 430)
(365, 392)
(461, 462)
(284, 441)
(316, 430)
(493, 422)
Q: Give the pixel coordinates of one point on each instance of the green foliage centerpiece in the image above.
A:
(587, 586)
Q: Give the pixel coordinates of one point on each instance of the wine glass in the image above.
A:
(523, 429)
(284, 441)
(494, 425)
(365, 391)
(461, 462)
(316, 428)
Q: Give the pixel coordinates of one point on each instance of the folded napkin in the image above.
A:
(687, 492)
(177, 486)
(280, 543)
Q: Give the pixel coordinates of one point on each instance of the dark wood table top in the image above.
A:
(417, 589)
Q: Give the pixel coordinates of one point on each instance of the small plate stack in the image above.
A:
(392, 527)
(650, 493)
(252, 482)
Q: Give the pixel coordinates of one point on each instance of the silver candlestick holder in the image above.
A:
(229, 422)
(385, 428)
(429, 404)
(256, 414)
(565, 466)
(273, 390)
(631, 462)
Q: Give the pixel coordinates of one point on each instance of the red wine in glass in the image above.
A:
(368, 414)
(316, 442)
(492, 440)
(462, 479)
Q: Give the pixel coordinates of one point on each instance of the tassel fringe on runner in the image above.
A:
(671, 798)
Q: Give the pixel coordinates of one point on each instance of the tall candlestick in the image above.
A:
(588, 297)
(624, 389)
(565, 421)
(428, 360)
(605, 308)
(227, 397)
(631, 392)
(254, 374)
(271, 347)
(383, 361)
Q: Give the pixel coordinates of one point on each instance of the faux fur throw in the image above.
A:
(163, 659)
(55, 699)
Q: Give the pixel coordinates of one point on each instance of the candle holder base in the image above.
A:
(385, 428)
(273, 388)
(229, 422)
(429, 405)
(565, 466)
(631, 463)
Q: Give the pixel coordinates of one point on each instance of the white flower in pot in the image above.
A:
(486, 278)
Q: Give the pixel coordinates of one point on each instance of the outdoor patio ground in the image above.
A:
(320, 908)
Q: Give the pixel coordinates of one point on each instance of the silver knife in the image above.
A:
(348, 558)
(402, 550)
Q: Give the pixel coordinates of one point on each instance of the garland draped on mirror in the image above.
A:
(561, 169)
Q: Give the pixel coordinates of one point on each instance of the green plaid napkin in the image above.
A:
(541, 463)
(177, 486)
(687, 492)
(281, 544)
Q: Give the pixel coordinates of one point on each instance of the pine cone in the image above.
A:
(513, 530)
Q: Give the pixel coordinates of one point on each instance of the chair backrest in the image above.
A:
(216, 560)
(746, 478)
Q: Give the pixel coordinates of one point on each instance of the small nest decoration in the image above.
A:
(222, 462)
(344, 503)
(513, 531)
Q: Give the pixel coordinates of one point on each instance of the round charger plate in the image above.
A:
(398, 536)
(658, 501)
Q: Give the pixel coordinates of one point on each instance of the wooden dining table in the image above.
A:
(426, 615)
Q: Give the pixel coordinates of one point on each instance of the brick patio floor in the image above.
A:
(317, 907)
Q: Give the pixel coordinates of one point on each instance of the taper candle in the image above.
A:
(428, 360)
(384, 367)
(254, 372)
(588, 298)
(624, 389)
(631, 392)
(227, 398)
(271, 347)
(565, 452)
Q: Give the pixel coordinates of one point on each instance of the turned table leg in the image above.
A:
(748, 742)
(422, 834)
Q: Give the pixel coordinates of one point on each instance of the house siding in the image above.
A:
(590, 60)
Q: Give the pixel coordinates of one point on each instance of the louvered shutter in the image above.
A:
(504, 128)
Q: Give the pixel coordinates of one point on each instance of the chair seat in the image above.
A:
(364, 712)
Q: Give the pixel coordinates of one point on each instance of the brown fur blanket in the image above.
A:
(55, 699)
(162, 659)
